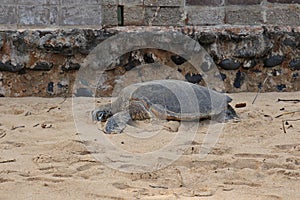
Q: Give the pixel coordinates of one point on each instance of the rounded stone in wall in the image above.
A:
(149, 58)
(70, 66)
(42, 66)
(9, 67)
(193, 78)
(239, 79)
(273, 61)
(290, 42)
(229, 64)
(295, 64)
(207, 38)
(178, 60)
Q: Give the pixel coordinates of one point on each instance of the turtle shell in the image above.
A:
(173, 99)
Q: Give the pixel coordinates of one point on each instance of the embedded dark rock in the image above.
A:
(62, 85)
(59, 85)
(281, 87)
(7, 66)
(50, 88)
(178, 60)
(239, 79)
(207, 38)
(130, 66)
(290, 42)
(22, 71)
(229, 64)
(273, 61)
(295, 64)
(132, 62)
(223, 76)
(295, 75)
(148, 58)
(70, 66)
(42, 66)
(193, 78)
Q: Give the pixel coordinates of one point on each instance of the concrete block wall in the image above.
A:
(49, 13)
(97, 13)
(205, 12)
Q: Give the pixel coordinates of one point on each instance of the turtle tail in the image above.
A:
(230, 113)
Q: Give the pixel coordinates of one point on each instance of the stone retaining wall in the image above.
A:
(45, 63)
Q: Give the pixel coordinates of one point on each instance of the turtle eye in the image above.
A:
(102, 115)
(99, 116)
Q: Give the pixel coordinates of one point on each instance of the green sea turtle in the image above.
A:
(163, 99)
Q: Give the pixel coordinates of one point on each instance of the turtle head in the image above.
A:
(101, 115)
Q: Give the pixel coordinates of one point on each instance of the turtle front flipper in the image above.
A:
(117, 123)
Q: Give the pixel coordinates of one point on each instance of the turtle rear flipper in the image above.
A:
(226, 115)
(117, 123)
(230, 113)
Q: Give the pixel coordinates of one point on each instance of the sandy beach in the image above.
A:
(43, 156)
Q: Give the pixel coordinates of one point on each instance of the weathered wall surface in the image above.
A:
(87, 13)
(204, 12)
(45, 63)
(44, 42)
(49, 13)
